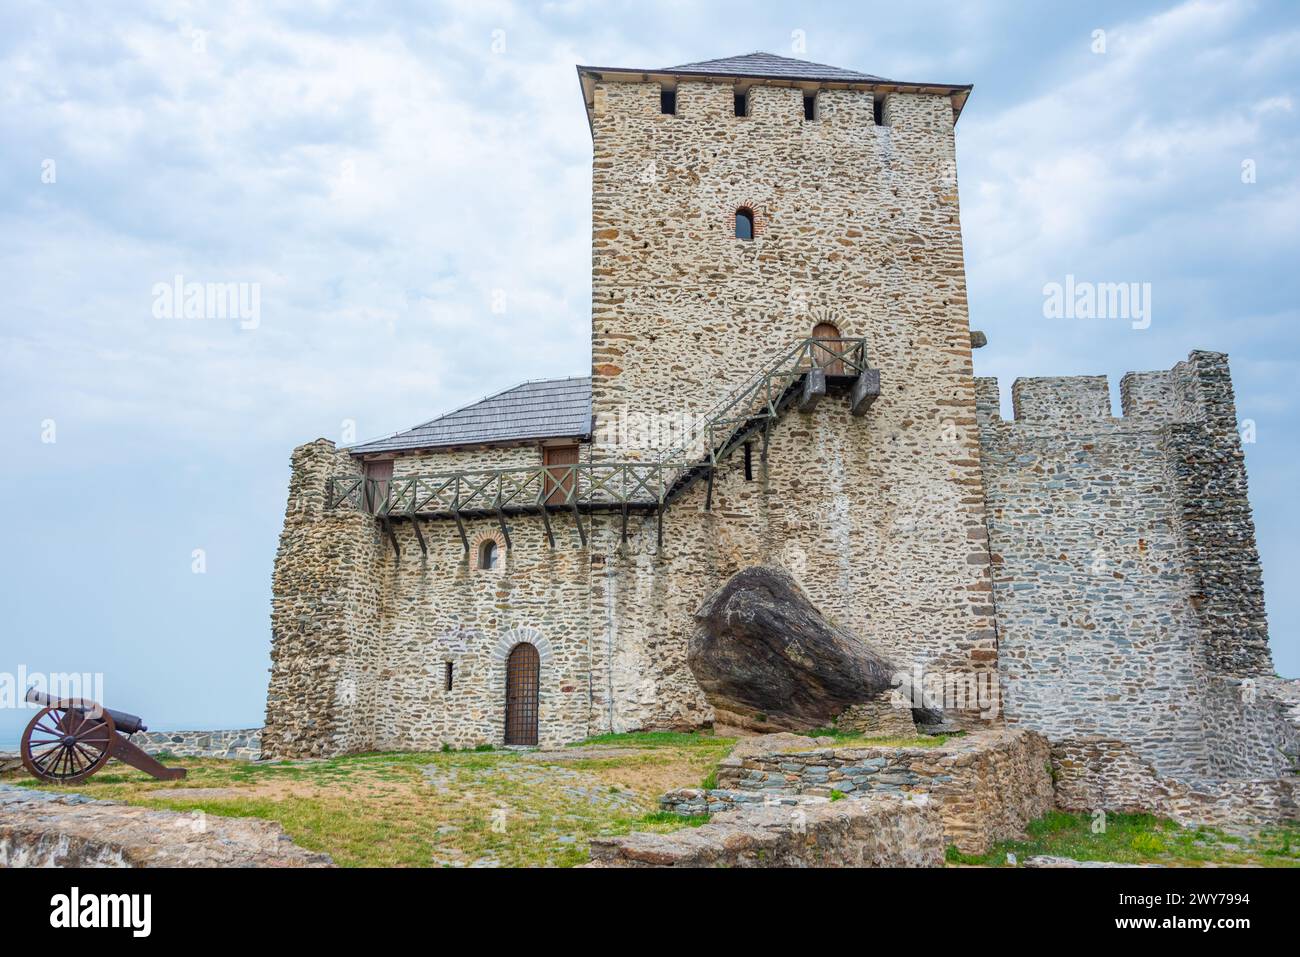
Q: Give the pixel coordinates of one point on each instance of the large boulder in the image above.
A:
(766, 658)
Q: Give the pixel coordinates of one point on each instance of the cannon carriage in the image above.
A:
(70, 739)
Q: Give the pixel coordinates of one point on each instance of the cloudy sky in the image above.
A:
(382, 170)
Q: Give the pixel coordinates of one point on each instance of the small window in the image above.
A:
(487, 555)
(749, 461)
(668, 102)
(810, 106)
(742, 104)
(878, 108)
(744, 223)
(447, 682)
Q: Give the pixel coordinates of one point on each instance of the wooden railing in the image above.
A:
(488, 491)
(623, 486)
(759, 395)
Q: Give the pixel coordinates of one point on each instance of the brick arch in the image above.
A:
(476, 547)
(758, 209)
(834, 317)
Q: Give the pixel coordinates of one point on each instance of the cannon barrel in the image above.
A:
(124, 722)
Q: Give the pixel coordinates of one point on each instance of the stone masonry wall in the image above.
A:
(323, 606)
(1096, 773)
(988, 785)
(884, 831)
(1118, 614)
(880, 519)
(245, 745)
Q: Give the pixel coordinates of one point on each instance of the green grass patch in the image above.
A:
(446, 808)
(1140, 839)
(668, 817)
(656, 739)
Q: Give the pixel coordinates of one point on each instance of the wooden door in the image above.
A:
(559, 481)
(523, 677)
(824, 356)
(379, 476)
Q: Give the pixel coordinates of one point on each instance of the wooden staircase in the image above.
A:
(799, 377)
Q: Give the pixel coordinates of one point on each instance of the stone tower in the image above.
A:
(851, 183)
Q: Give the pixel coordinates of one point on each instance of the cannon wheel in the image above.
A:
(64, 745)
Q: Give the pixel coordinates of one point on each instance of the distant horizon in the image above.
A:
(397, 207)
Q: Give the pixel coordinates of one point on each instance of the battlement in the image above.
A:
(1196, 390)
(1139, 524)
(699, 103)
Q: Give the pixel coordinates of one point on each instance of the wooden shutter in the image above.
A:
(559, 481)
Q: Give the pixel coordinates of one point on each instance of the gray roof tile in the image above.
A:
(540, 409)
(771, 66)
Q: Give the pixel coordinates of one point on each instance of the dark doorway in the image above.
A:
(522, 680)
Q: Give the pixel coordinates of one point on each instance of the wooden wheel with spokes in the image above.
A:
(64, 745)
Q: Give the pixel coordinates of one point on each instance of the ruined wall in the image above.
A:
(883, 831)
(988, 785)
(1125, 575)
(1095, 773)
(323, 606)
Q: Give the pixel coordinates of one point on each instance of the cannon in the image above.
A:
(72, 738)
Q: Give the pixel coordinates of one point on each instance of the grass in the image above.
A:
(510, 808)
(850, 739)
(443, 808)
(655, 739)
(1141, 839)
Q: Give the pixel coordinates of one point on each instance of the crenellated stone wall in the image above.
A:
(1126, 578)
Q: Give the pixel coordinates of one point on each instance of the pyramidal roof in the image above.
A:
(770, 66)
(539, 409)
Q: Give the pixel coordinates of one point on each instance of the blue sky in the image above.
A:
(381, 169)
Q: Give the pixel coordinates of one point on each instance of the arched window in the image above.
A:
(744, 223)
(487, 555)
(523, 674)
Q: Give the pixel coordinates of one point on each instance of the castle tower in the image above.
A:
(741, 205)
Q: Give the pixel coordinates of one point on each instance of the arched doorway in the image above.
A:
(824, 355)
(523, 674)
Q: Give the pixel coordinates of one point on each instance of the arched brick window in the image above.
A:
(744, 223)
(489, 552)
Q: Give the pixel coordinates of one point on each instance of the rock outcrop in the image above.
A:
(44, 829)
(767, 659)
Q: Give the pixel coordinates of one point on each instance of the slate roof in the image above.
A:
(540, 409)
(771, 66)
(767, 66)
